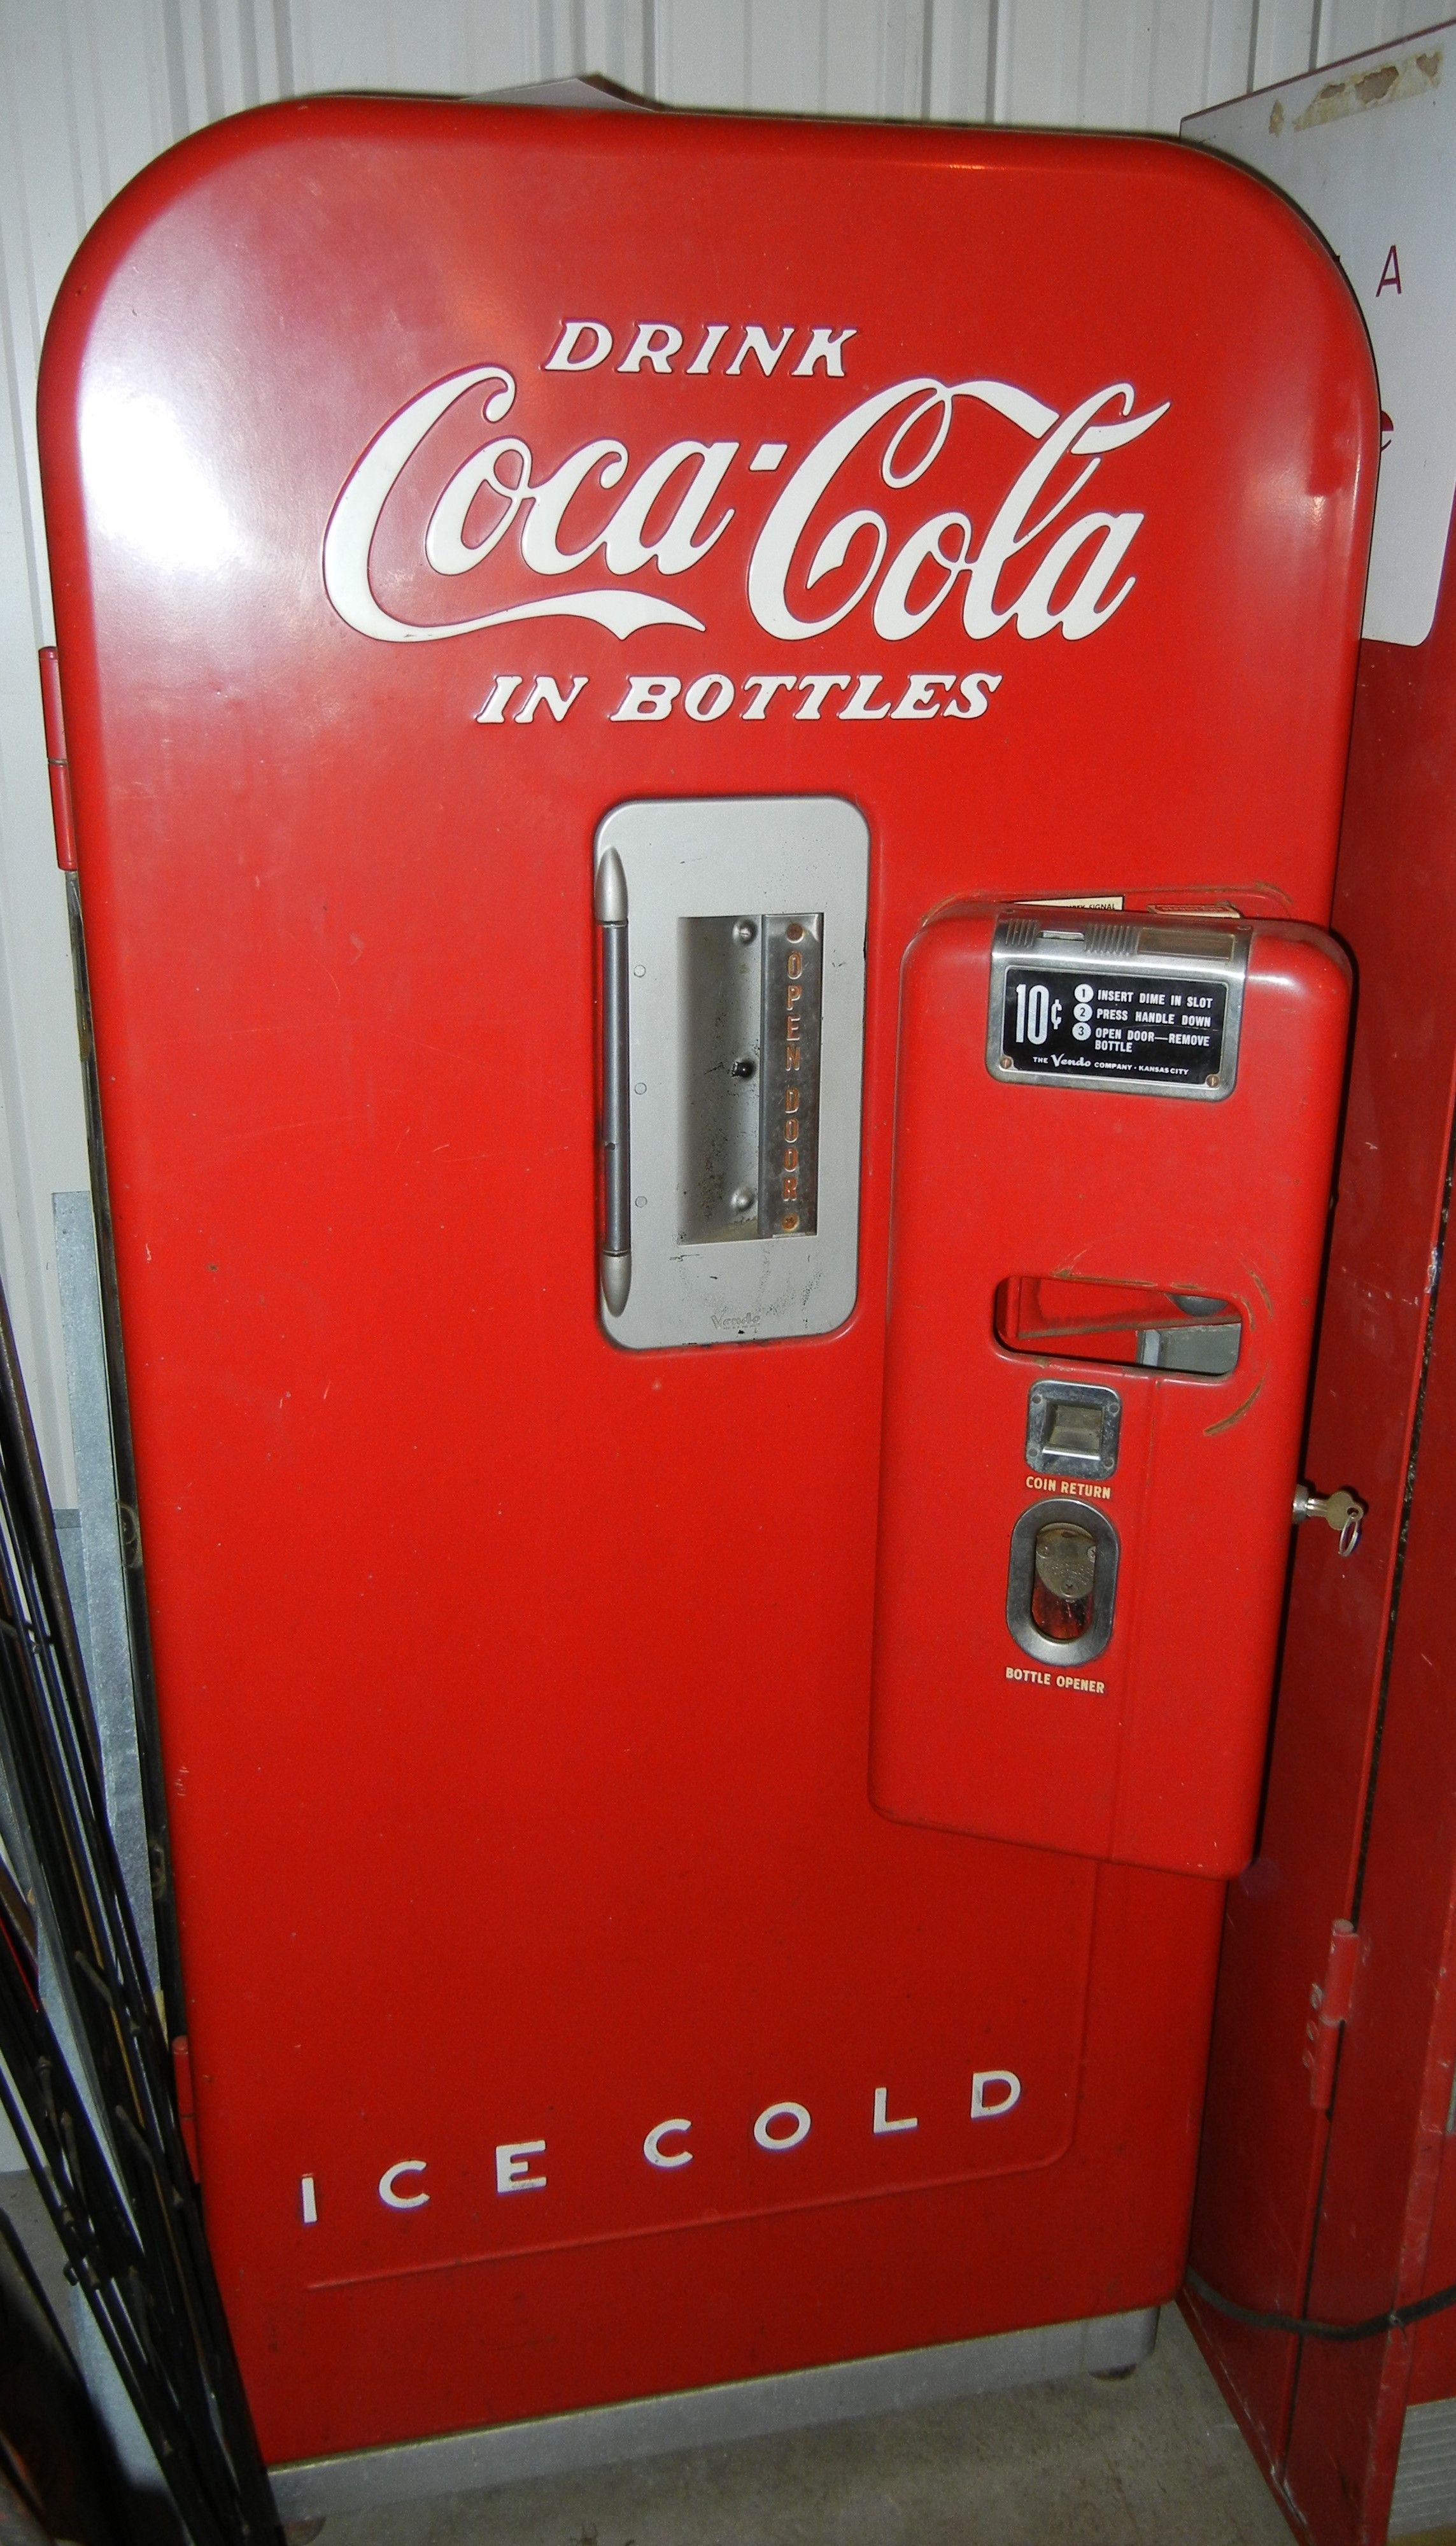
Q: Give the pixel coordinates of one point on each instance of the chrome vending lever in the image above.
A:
(608, 905)
(1344, 1512)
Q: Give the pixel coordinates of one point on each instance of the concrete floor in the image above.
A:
(1151, 2460)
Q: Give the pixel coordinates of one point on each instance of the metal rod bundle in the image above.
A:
(89, 2091)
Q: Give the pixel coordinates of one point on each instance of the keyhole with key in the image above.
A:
(1344, 1512)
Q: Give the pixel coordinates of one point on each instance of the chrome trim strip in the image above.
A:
(749, 2409)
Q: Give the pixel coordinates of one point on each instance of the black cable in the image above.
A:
(1312, 2328)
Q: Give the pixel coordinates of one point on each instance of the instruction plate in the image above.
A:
(1113, 1025)
(1139, 1004)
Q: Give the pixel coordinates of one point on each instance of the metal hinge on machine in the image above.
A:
(56, 762)
(1330, 2002)
(186, 2107)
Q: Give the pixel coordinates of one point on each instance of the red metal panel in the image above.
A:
(1433, 2352)
(1389, 2122)
(515, 1689)
(1264, 2147)
(1153, 1751)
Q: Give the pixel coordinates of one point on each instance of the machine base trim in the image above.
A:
(746, 2409)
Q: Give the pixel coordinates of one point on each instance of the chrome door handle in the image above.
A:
(609, 910)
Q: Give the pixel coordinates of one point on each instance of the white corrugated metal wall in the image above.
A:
(90, 90)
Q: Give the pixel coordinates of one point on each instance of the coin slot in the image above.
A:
(1075, 1431)
(1073, 1428)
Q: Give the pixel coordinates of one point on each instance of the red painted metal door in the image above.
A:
(424, 483)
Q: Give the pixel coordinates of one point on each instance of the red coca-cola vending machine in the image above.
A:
(704, 760)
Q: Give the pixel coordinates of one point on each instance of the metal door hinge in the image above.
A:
(186, 2111)
(57, 765)
(1330, 2002)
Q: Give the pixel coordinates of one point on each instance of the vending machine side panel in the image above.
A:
(1322, 2170)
